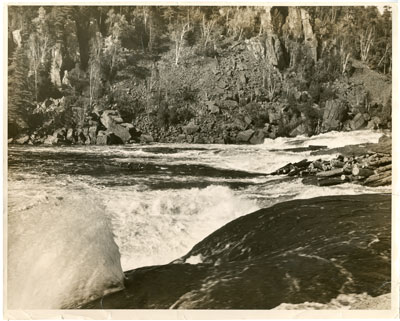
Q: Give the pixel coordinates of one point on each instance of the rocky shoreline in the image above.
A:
(369, 165)
(108, 128)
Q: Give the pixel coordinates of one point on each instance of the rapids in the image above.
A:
(79, 216)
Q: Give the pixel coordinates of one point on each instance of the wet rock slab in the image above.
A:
(302, 250)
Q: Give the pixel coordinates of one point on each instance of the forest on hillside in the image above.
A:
(187, 73)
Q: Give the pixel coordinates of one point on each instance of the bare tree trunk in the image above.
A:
(365, 44)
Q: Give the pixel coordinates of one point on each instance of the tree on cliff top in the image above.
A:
(20, 98)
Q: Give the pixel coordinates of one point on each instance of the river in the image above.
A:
(79, 216)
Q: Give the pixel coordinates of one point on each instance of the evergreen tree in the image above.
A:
(20, 98)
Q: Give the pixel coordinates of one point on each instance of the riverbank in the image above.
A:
(365, 164)
(297, 251)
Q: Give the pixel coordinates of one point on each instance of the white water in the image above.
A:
(67, 232)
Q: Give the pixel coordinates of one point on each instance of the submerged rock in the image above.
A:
(303, 250)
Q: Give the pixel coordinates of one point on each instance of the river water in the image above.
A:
(79, 216)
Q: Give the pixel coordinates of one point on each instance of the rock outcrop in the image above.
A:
(293, 252)
(244, 136)
(112, 121)
(334, 114)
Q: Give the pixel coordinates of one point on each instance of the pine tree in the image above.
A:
(20, 97)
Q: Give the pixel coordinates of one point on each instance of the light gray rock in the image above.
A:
(22, 140)
(146, 139)
(191, 128)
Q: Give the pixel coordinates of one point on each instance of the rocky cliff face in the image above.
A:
(285, 81)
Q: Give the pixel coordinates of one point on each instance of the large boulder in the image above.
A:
(302, 129)
(334, 114)
(108, 117)
(292, 252)
(51, 140)
(244, 136)
(145, 139)
(22, 140)
(60, 133)
(111, 119)
(358, 122)
(104, 138)
(258, 137)
(374, 123)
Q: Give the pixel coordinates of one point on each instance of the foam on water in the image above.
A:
(69, 234)
(341, 302)
(61, 250)
(331, 139)
(156, 227)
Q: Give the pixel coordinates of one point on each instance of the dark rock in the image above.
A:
(258, 137)
(60, 133)
(81, 138)
(266, 128)
(366, 116)
(347, 125)
(292, 252)
(385, 140)
(244, 136)
(85, 132)
(198, 140)
(107, 139)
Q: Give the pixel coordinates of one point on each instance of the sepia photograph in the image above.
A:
(198, 157)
